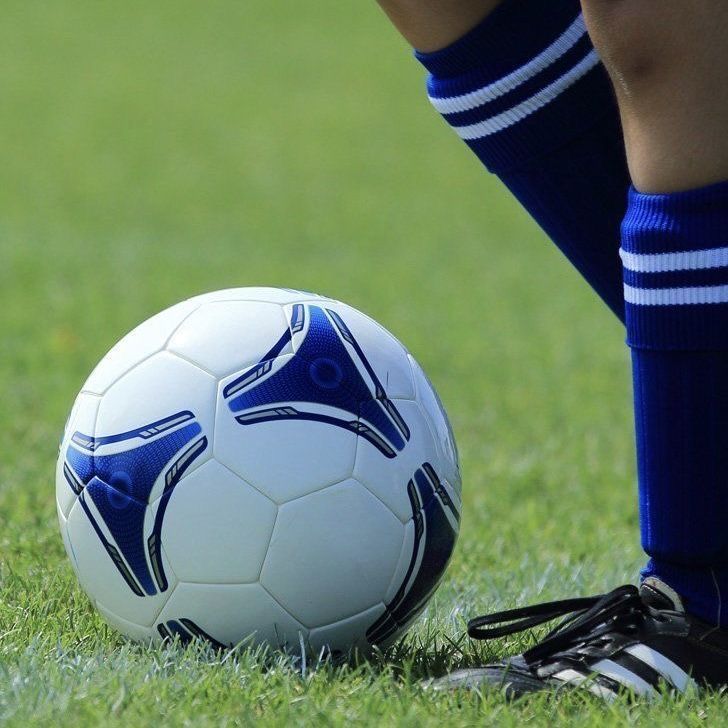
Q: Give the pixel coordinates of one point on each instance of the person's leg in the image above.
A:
(667, 65)
(519, 81)
(670, 72)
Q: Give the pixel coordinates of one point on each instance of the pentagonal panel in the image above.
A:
(387, 478)
(143, 341)
(228, 614)
(83, 419)
(346, 634)
(134, 631)
(332, 554)
(278, 447)
(105, 573)
(229, 336)
(371, 345)
(436, 417)
(217, 527)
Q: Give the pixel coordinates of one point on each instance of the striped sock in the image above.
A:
(676, 294)
(526, 91)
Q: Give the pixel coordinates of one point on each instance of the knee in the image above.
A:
(636, 43)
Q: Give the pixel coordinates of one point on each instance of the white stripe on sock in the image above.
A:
(473, 99)
(663, 262)
(674, 674)
(692, 296)
(529, 106)
(622, 675)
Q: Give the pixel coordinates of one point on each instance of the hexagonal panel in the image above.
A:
(387, 478)
(101, 574)
(229, 614)
(332, 554)
(346, 634)
(263, 294)
(284, 458)
(83, 419)
(217, 527)
(228, 336)
(151, 429)
(322, 393)
(385, 354)
(143, 341)
(158, 388)
(442, 432)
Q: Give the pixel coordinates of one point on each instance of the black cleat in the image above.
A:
(639, 641)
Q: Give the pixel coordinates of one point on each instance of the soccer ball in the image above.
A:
(259, 464)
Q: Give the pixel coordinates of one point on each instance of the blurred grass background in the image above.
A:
(153, 151)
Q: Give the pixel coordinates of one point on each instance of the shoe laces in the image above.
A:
(588, 621)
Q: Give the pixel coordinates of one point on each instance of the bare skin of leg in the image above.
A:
(430, 25)
(668, 61)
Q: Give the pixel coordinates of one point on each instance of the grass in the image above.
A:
(155, 151)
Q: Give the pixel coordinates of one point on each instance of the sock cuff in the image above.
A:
(523, 82)
(675, 268)
(488, 51)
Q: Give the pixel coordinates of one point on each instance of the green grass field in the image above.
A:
(153, 151)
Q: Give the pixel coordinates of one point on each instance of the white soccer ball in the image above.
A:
(259, 464)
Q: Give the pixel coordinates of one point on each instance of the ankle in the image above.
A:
(703, 590)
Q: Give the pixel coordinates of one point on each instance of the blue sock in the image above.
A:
(526, 91)
(676, 294)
